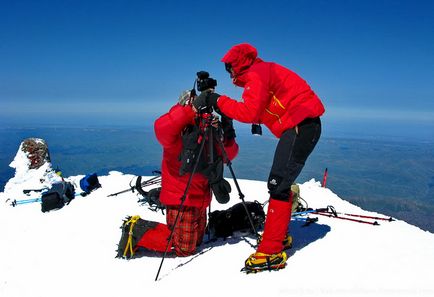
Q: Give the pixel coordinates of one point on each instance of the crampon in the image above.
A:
(258, 262)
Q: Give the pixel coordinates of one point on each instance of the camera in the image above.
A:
(204, 82)
(256, 129)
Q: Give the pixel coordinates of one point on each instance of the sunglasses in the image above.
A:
(228, 67)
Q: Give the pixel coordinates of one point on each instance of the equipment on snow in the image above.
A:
(152, 198)
(298, 203)
(331, 212)
(324, 179)
(34, 190)
(152, 181)
(138, 233)
(24, 201)
(57, 196)
(223, 223)
(89, 183)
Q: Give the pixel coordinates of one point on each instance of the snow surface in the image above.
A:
(71, 251)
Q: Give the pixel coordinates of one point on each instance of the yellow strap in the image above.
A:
(275, 114)
(276, 100)
(132, 221)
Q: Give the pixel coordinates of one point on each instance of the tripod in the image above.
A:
(210, 135)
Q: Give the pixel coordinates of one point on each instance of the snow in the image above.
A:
(71, 251)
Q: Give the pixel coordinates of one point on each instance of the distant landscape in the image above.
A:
(389, 176)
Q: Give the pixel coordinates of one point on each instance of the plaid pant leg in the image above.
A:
(189, 230)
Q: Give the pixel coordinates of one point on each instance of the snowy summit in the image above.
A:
(71, 251)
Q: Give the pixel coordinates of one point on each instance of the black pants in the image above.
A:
(291, 154)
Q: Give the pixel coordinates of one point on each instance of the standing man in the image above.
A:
(281, 100)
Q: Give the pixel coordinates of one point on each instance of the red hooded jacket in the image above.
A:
(168, 130)
(273, 95)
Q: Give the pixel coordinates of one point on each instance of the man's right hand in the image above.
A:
(206, 99)
(200, 103)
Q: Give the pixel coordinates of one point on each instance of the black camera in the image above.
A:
(256, 129)
(204, 82)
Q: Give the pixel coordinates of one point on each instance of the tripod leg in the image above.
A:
(240, 194)
(181, 206)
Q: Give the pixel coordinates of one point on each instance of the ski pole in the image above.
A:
(324, 179)
(25, 201)
(375, 223)
(331, 209)
(390, 219)
(32, 200)
(34, 190)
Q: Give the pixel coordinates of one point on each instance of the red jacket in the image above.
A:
(273, 95)
(168, 129)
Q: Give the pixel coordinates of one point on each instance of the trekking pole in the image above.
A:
(390, 219)
(375, 223)
(181, 206)
(25, 201)
(240, 194)
(34, 190)
(324, 179)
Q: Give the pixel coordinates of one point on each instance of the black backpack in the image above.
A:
(191, 142)
(57, 196)
(223, 223)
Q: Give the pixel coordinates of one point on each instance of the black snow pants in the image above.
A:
(292, 151)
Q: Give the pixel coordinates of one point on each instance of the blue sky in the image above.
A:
(365, 59)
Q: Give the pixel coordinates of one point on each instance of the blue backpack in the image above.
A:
(89, 183)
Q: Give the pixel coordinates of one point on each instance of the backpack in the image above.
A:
(191, 143)
(152, 198)
(57, 196)
(89, 183)
(191, 139)
(298, 203)
(139, 233)
(223, 223)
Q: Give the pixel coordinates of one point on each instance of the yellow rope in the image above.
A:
(132, 221)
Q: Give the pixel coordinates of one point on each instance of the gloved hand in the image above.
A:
(185, 98)
(221, 190)
(205, 101)
(228, 127)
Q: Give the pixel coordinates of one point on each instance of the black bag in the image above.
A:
(223, 223)
(190, 150)
(151, 197)
(57, 196)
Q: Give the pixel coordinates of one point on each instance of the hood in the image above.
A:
(241, 57)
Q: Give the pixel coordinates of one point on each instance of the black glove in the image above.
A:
(205, 101)
(212, 100)
(228, 128)
(221, 190)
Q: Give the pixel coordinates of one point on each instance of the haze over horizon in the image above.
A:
(366, 60)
